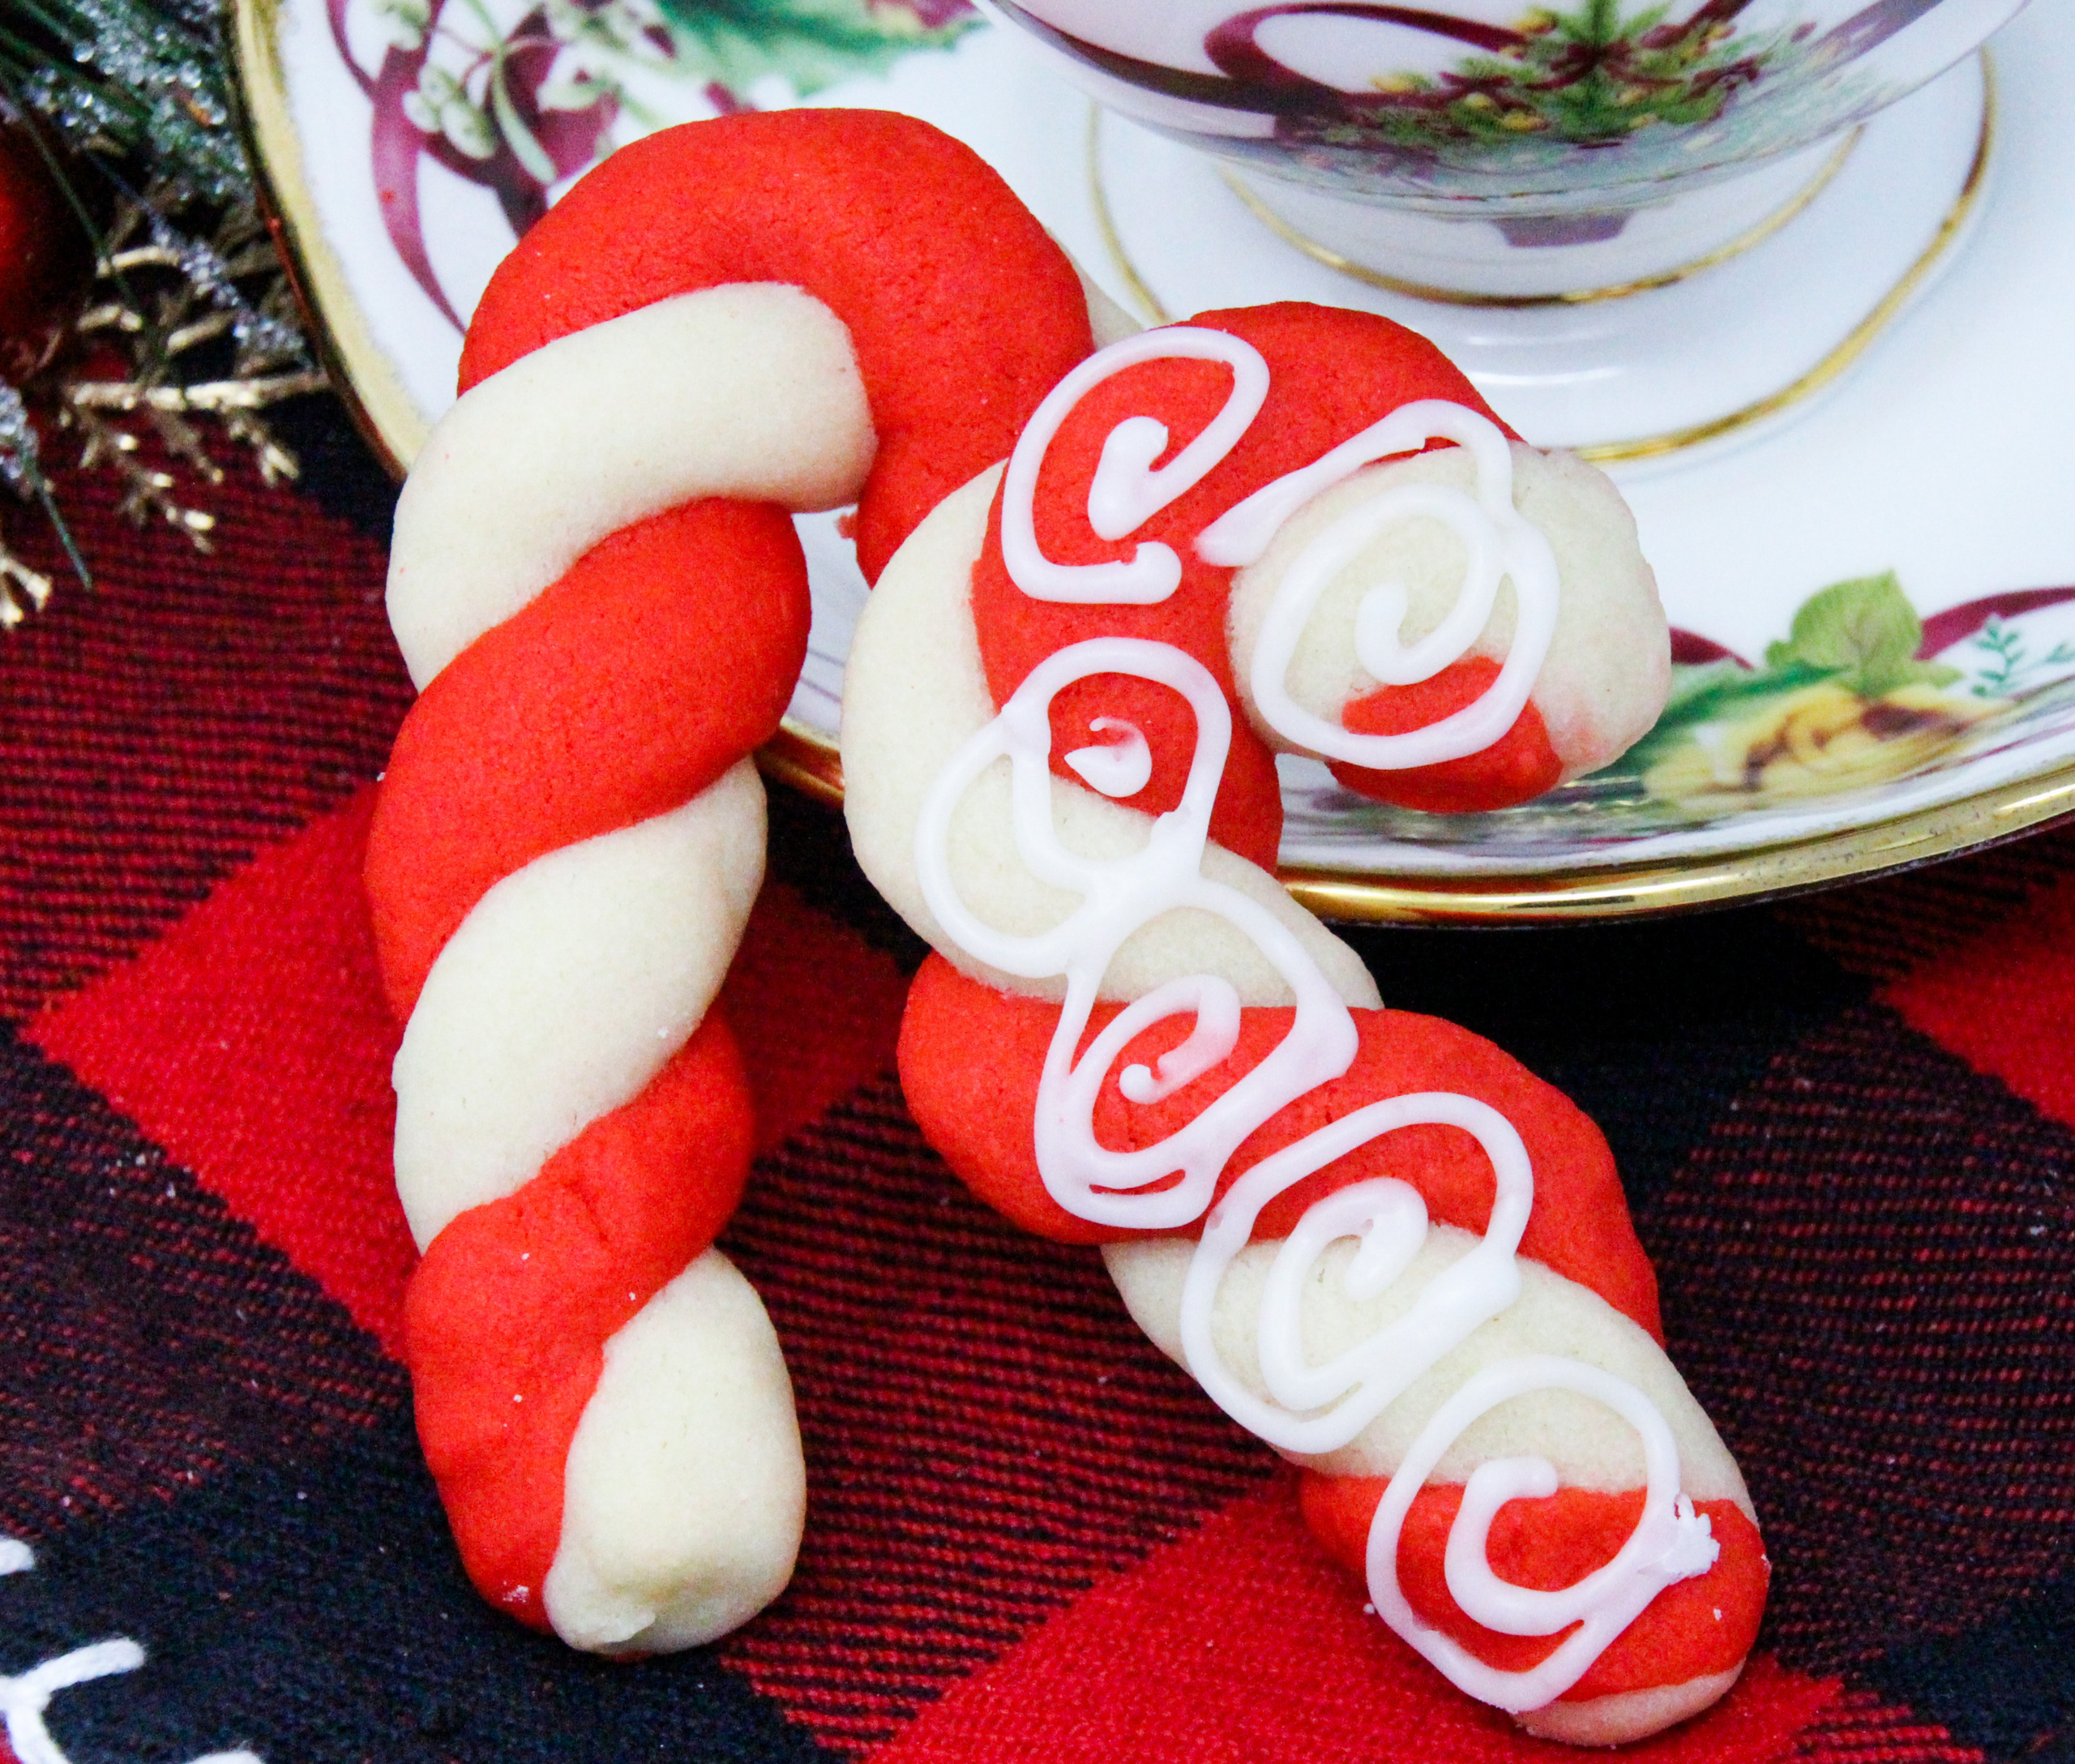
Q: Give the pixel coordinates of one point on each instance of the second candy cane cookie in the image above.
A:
(1377, 1241)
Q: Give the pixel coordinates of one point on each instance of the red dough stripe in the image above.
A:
(961, 310)
(507, 1319)
(665, 653)
(1516, 767)
(1693, 1629)
(978, 1114)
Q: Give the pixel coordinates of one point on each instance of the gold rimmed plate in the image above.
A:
(1874, 589)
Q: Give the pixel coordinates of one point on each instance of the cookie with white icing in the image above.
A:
(1378, 1242)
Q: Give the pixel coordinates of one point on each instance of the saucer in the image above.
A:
(1871, 578)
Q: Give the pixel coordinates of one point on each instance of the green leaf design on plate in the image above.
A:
(1864, 632)
(811, 44)
(1594, 72)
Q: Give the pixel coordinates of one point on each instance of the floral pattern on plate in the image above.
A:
(1860, 697)
(1598, 73)
(1467, 99)
(521, 97)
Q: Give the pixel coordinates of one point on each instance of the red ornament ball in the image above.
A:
(46, 256)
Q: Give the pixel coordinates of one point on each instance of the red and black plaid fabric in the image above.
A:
(1846, 1126)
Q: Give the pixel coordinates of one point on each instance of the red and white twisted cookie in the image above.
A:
(1378, 1242)
(597, 586)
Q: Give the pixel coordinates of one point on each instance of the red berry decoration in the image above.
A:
(46, 256)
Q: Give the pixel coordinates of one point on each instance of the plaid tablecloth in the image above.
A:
(1845, 1125)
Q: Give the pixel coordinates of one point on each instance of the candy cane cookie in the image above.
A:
(1377, 1242)
(597, 587)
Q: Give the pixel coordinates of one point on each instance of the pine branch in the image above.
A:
(188, 296)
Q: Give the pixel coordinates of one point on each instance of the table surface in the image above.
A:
(1844, 1124)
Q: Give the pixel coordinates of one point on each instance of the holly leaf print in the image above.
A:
(809, 44)
(1864, 632)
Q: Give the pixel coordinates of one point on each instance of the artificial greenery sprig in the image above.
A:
(131, 80)
(189, 323)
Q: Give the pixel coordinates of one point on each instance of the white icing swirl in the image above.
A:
(1313, 1409)
(1501, 544)
(1670, 1542)
(1319, 1409)
(1120, 768)
(1126, 492)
